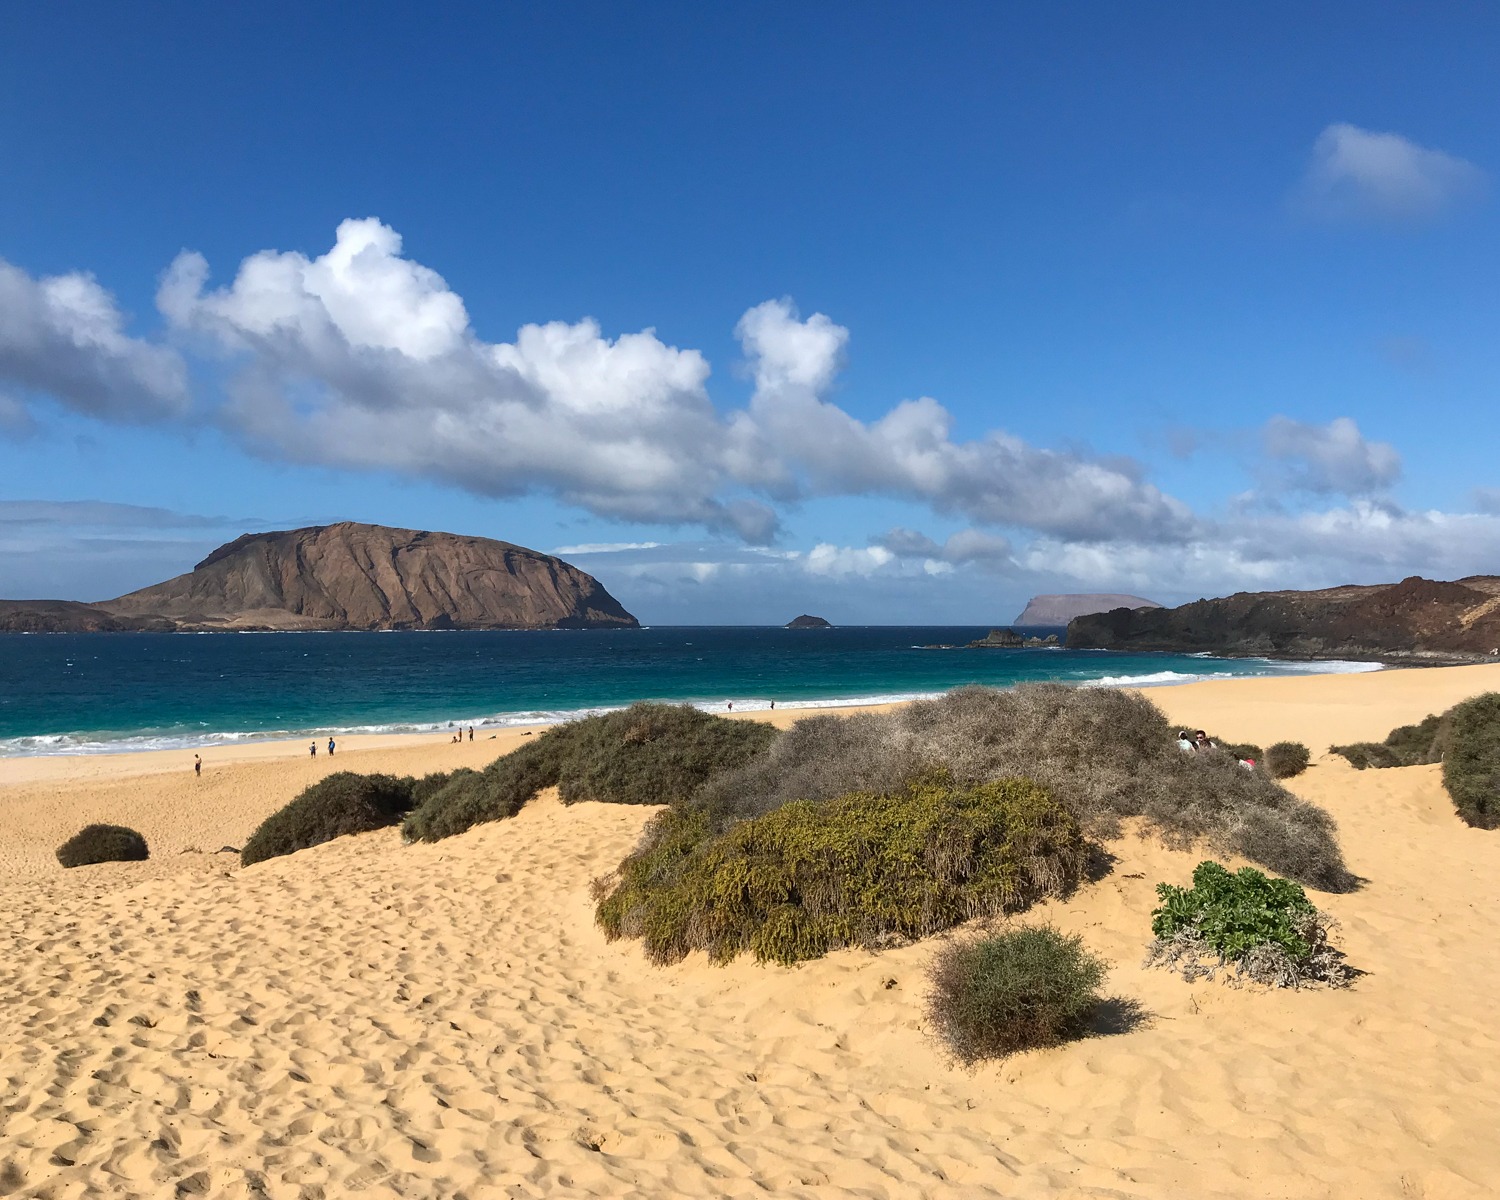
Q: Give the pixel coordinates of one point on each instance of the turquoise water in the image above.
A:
(71, 693)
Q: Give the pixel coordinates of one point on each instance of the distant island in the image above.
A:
(1060, 608)
(1416, 620)
(808, 622)
(346, 577)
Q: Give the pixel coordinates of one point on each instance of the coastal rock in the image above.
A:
(1417, 619)
(1009, 639)
(1059, 609)
(808, 622)
(351, 576)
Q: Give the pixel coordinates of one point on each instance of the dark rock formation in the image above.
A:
(1414, 620)
(1009, 639)
(351, 576)
(807, 622)
(1060, 609)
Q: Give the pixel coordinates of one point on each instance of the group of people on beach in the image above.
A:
(459, 736)
(1198, 741)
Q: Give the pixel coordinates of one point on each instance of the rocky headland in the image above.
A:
(1059, 609)
(347, 577)
(1009, 639)
(1417, 621)
(808, 622)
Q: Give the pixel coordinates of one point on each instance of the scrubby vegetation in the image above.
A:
(1265, 928)
(994, 995)
(1286, 759)
(1407, 746)
(103, 843)
(862, 868)
(645, 754)
(1471, 766)
(1465, 739)
(339, 804)
(1102, 753)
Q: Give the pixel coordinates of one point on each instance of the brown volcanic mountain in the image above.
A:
(1416, 619)
(351, 576)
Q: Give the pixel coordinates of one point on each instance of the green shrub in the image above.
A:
(1102, 752)
(994, 995)
(1286, 759)
(103, 843)
(1406, 746)
(429, 785)
(341, 803)
(860, 869)
(1471, 767)
(1267, 928)
(644, 754)
(1246, 750)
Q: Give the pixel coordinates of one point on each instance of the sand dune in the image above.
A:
(444, 1020)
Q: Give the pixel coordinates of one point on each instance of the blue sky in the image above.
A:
(890, 313)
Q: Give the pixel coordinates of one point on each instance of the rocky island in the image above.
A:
(1009, 639)
(346, 577)
(1416, 620)
(808, 622)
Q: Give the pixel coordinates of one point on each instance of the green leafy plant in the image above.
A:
(1471, 767)
(103, 843)
(1267, 928)
(859, 869)
(339, 804)
(1286, 759)
(644, 754)
(996, 994)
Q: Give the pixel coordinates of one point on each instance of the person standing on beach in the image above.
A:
(330, 747)
(197, 765)
(313, 749)
(729, 706)
(471, 733)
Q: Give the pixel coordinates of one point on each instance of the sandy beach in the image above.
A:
(445, 1020)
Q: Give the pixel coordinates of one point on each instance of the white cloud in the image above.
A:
(362, 358)
(793, 441)
(63, 336)
(1360, 174)
(1329, 459)
(827, 559)
(604, 548)
(965, 546)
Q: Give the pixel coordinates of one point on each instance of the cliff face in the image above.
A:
(348, 576)
(1416, 619)
(1060, 609)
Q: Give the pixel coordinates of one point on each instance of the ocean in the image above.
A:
(101, 693)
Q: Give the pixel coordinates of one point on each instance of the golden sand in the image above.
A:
(441, 1020)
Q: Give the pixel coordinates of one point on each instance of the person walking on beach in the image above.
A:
(330, 747)
(729, 706)
(471, 733)
(197, 765)
(313, 749)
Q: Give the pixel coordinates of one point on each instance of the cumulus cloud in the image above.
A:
(793, 441)
(64, 337)
(1331, 459)
(1360, 174)
(364, 358)
(965, 546)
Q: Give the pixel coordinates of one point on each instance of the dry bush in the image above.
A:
(644, 754)
(337, 805)
(996, 994)
(1103, 752)
(103, 843)
(1471, 767)
(1405, 746)
(1286, 759)
(864, 868)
